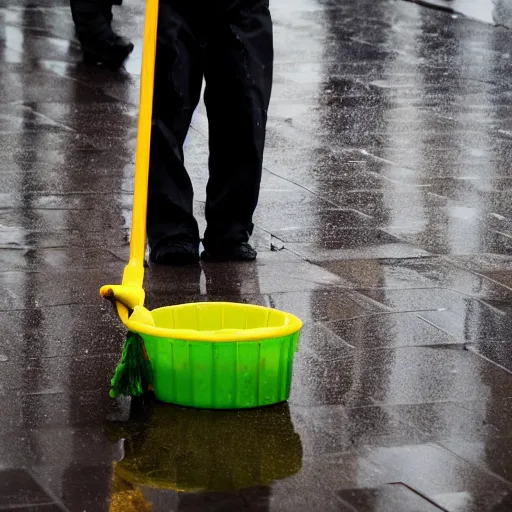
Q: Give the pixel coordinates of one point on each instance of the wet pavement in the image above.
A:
(385, 223)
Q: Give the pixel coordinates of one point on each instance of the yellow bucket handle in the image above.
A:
(130, 293)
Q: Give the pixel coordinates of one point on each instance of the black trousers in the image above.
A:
(229, 43)
(92, 18)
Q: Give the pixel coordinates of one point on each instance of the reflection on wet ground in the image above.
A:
(498, 12)
(173, 448)
(385, 223)
(482, 10)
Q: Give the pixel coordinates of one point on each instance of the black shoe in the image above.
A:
(112, 51)
(230, 251)
(175, 253)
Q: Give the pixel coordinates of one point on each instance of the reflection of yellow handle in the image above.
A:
(131, 293)
(126, 497)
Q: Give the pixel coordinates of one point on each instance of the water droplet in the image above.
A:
(3, 358)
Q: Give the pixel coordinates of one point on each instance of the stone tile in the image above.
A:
(27, 259)
(111, 119)
(45, 449)
(18, 488)
(322, 305)
(461, 316)
(270, 275)
(322, 343)
(58, 331)
(51, 409)
(459, 501)
(383, 376)
(264, 499)
(47, 87)
(434, 471)
(214, 502)
(447, 420)
(373, 203)
(310, 375)
(498, 353)
(51, 374)
(388, 498)
(498, 412)
(64, 202)
(478, 323)
(328, 251)
(312, 424)
(315, 213)
(346, 237)
(37, 508)
(484, 264)
(86, 485)
(32, 290)
(321, 477)
(50, 220)
(389, 330)
(334, 429)
(430, 272)
(74, 464)
(96, 242)
(423, 299)
(158, 499)
(491, 454)
(436, 241)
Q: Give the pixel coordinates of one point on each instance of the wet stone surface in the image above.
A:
(385, 224)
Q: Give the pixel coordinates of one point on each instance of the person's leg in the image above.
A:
(92, 20)
(238, 85)
(106, 9)
(173, 234)
(89, 19)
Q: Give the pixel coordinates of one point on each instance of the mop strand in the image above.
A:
(134, 374)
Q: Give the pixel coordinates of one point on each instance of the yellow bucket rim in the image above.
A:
(293, 325)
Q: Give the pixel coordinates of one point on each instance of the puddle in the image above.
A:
(181, 449)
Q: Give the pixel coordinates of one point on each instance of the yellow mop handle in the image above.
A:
(134, 271)
(131, 294)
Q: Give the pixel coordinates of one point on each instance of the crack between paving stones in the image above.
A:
(418, 493)
(470, 347)
(435, 7)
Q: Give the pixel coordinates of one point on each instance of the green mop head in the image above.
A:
(134, 375)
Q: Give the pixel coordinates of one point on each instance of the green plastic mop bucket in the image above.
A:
(220, 355)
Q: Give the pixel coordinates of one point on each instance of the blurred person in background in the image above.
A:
(93, 23)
